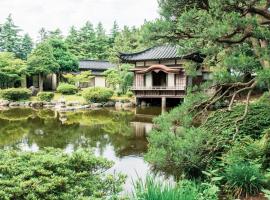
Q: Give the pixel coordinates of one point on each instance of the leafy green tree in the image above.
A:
(9, 37)
(120, 78)
(11, 69)
(42, 62)
(78, 78)
(66, 60)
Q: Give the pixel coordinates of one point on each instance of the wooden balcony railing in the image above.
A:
(158, 88)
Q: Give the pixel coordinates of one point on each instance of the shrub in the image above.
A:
(129, 94)
(52, 174)
(254, 124)
(187, 151)
(15, 94)
(97, 94)
(265, 98)
(65, 88)
(153, 189)
(244, 179)
(45, 96)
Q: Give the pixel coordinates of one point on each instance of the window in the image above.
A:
(139, 64)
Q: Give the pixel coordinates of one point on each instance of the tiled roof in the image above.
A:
(156, 53)
(95, 65)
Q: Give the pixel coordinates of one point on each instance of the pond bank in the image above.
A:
(62, 105)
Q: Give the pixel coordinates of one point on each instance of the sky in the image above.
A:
(31, 15)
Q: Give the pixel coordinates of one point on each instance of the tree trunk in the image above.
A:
(40, 79)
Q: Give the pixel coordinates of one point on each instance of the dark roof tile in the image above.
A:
(95, 65)
(159, 53)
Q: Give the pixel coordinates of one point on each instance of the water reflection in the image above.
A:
(117, 135)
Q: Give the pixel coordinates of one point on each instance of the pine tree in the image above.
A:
(101, 43)
(42, 35)
(9, 37)
(114, 33)
(26, 46)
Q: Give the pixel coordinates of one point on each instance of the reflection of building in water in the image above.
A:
(141, 129)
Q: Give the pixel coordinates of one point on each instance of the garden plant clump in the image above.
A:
(15, 94)
(45, 96)
(97, 94)
(52, 174)
(68, 89)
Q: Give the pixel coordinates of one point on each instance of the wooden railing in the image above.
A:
(169, 88)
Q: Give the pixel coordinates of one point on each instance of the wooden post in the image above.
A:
(163, 104)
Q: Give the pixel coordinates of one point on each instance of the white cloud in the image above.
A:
(31, 15)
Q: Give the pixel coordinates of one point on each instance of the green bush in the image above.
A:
(153, 189)
(265, 98)
(97, 94)
(15, 94)
(244, 179)
(53, 174)
(45, 96)
(65, 88)
(188, 151)
(254, 124)
(129, 94)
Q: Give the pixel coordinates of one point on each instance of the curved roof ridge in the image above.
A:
(150, 48)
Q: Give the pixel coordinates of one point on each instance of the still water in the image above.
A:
(119, 136)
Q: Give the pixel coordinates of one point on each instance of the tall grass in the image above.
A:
(153, 189)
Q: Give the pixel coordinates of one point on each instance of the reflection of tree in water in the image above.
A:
(96, 129)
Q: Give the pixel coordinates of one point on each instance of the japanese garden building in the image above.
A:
(97, 68)
(159, 73)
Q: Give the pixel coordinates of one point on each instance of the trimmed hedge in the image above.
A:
(65, 88)
(15, 94)
(45, 96)
(97, 94)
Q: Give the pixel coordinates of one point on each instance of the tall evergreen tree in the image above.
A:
(114, 33)
(9, 37)
(101, 42)
(73, 41)
(26, 46)
(42, 35)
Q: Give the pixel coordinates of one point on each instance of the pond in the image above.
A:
(116, 135)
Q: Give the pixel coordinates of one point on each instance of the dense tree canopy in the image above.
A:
(42, 62)
(11, 69)
(66, 60)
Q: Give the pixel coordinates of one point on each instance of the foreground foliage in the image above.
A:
(240, 159)
(153, 189)
(52, 174)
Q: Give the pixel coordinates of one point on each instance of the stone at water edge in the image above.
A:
(4, 103)
(14, 104)
(109, 104)
(36, 104)
(96, 105)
